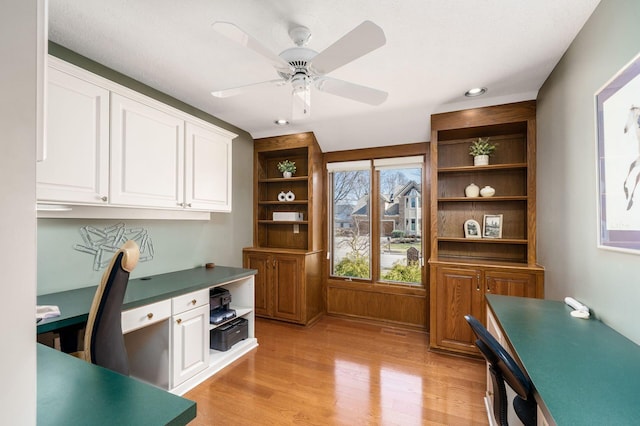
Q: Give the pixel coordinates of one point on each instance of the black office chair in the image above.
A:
(103, 338)
(503, 369)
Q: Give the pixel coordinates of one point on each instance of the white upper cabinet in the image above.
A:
(147, 155)
(207, 168)
(108, 145)
(76, 166)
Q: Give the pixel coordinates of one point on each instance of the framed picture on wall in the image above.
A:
(618, 160)
(492, 227)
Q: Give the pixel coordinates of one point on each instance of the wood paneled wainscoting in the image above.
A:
(400, 305)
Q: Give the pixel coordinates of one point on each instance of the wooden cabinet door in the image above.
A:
(190, 343)
(510, 283)
(207, 169)
(147, 155)
(76, 166)
(288, 287)
(458, 293)
(263, 263)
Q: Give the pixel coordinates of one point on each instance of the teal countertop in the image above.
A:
(74, 392)
(584, 372)
(74, 304)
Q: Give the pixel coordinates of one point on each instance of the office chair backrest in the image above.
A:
(503, 369)
(103, 340)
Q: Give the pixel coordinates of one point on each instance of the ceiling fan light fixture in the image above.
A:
(476, 91)
(281, 122)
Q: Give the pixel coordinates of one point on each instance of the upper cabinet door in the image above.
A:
(147, 155)
(207, 168)
(76, 168)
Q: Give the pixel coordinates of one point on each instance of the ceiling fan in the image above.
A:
(303, 67)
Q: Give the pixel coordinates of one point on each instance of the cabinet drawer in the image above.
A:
(189, 301)
(143, 316)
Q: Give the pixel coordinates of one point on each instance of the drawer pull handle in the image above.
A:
(193, 302)
(150, 315)
(179, 320)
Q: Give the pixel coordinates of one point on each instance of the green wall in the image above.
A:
(178, 244)
(607, 281)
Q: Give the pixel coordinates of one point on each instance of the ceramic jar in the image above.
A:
(487, 191)
(290, 196)
(286, 175)
(282, 196)
(472, 190)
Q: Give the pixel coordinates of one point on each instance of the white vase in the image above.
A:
(472, 190)
(286, 174)
(481, 160)
(487, 191)
(282, 196)
(290, 196)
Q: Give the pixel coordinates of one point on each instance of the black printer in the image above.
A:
(219, 300)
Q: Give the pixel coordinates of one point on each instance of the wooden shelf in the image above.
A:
(483, 240)
(482, 199)
(490, 167)
(284, 180)
(284, 222)
(283, 203)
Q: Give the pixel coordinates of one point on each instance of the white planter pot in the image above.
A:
(286, 174)
(481, 160)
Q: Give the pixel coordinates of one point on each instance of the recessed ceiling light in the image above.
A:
(476, 91)
(281, 122)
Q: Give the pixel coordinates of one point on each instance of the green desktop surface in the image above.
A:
(74, 304)
(584, 372)
(74, 392)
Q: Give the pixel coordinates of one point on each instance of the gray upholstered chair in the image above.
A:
(103, 339)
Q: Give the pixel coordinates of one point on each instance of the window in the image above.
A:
(400, 247)
(391, 214)
(350, 244)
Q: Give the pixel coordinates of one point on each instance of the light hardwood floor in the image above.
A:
(341, 372)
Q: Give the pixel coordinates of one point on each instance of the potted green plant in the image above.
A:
(287, 168)
(481, 149)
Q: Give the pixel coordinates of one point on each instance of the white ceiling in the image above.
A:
(435, 51)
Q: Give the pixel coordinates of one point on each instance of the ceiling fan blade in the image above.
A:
(235, 33)
(363, 39)
(353, 91)
(225, 93)
(301, 103)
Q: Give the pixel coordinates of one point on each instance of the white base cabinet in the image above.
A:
(169, 347)
(190, 343)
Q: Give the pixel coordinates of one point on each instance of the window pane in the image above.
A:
(400, 225)
(351, 224)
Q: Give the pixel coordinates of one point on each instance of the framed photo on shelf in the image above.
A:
(617, 157)
(471, 229)
(492, 226)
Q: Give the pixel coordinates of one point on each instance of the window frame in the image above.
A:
(377, 163)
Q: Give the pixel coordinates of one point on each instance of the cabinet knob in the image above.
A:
(194, 301)
(104, 198)
(150, 315)
(181, 204)
(179, 320)
(188, 204)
